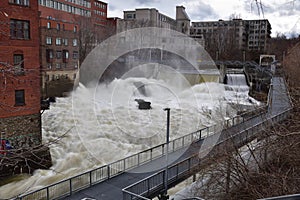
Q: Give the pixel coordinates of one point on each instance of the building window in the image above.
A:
(19, 97)
(63, 27)
(74, 42)
(58, 41)
(19, 64)
(75, 54)
(65, 56)
(55, 5)
(75, 29)
(58, 26)
(58, 54)
(129, 16)
(58, 66)
(65, 42)
(48, 40)
(19, 29)
(48, 25)
(49, 55)
(20, 2)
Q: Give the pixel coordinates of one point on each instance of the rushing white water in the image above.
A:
(237, 90)
(95, 126)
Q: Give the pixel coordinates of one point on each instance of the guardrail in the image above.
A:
(156, 182)
(87, 179)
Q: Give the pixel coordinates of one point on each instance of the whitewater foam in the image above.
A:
(96, 126)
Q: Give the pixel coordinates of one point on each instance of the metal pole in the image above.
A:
(167, 151)
(168, 124)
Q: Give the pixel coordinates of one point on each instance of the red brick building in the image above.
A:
(20, 120)
(59, 51)
(69, 31)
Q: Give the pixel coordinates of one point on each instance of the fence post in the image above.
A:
(70, 186)
(90, 178)
(173, 145)
(108, 172)
(48, 196)
(124, 164)
(148, 188)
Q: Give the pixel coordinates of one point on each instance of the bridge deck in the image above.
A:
(112, 188)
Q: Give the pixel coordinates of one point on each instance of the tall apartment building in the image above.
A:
(20, 119)
(70, 29)
(151, 17)
(258, 32)
(244, 34)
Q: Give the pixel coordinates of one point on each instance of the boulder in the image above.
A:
(143, 105)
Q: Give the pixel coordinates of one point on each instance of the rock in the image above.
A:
(143, 105)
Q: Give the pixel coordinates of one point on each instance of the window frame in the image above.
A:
(48, 25)
(75, 42)
(75, 55)
(20, 2)
(58, 41)
(49, 40)
(20, 29)
(19, 97)
(49, 55)
(58, 54)
(18, 65)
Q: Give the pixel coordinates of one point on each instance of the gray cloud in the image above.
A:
(202, 11)
(112, 7)
(282, 9)
(146, 1)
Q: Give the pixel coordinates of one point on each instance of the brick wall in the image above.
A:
(29, 81)
(20, 121)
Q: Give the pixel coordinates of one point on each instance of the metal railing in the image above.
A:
(87, 179)
(285, 197)
(156, 182)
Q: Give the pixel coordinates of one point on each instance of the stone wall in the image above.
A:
(22, 131)
(28, 152)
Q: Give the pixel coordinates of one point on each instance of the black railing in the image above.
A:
(156, 182)
(87, 179)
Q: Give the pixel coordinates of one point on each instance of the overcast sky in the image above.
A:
(284, 15)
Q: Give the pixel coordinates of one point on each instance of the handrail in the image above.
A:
(143, 185)
(105, 172)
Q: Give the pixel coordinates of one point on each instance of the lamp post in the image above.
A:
(167, 151)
